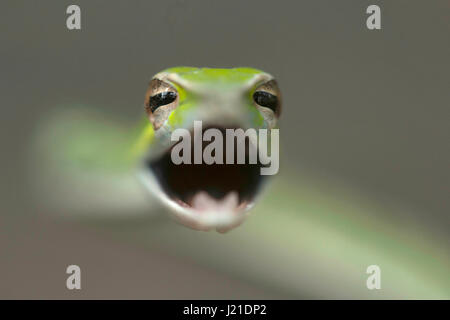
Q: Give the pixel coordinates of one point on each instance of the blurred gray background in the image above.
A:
(369, 108)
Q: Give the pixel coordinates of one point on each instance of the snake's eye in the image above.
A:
(161, 99)
(266, 99)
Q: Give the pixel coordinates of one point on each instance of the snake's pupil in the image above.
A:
(161, 99)
(266, 99)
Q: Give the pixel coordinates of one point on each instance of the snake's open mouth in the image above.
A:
(183, 182)
(209, 187)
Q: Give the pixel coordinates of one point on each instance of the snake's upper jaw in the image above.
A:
(205, 196)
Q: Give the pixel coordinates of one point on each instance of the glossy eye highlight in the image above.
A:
(266, 99)
(161, 99)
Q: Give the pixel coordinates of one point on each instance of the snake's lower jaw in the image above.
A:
(208, 213)
(205, 197)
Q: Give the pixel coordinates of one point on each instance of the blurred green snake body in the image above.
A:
(305, 232)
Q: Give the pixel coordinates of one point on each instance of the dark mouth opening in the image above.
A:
(182, 182)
